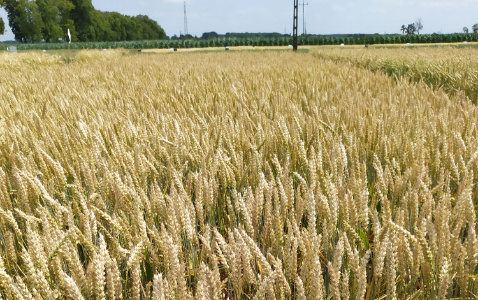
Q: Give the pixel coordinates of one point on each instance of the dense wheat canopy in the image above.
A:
(455, 70)
(232, 175)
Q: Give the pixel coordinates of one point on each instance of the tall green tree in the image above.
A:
(418, 25)
(403, 29)
(102, 27)
(117, 25)
(2, 26)
(411, 29)
(13, 12)
(25, 20)
(50, 20)
(475, 28)
(150, 30)
(66, 22)
(83, 15)
(2, 23)
(50, 15)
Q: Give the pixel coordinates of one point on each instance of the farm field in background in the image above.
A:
(239, 175)
(452, 69)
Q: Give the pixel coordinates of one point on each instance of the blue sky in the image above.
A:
(322, 16)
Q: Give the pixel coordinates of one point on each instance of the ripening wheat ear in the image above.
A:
(391, 272)
(360, 276)
(205, 286)
(290, 255)
(256, 252)
(23, 290)
(246, 259)
(136, 281)
(311, 270)
(6, 282)
(335, 268)
(382, 247)
(8, 218)
(36, 248)
(5, 202)
(158, 288)
(299, 285)
(71, 289)
(444, 280)
(35, 279)
(265, 289)
(96, 275)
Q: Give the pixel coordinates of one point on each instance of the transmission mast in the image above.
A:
(185, 20)
(303, 17)
(296, 19)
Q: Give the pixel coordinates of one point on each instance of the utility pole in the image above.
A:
(303, 17)
(296, 24)
(185, 20)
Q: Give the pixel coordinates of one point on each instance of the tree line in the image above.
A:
(282, 41)
(49, 21)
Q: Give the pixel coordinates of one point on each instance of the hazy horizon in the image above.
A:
(322, 17)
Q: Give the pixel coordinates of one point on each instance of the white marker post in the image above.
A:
(69, 36)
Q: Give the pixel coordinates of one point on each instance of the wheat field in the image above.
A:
(247, 175)
(455, 70)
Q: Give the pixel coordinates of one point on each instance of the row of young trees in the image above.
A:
(282, 41)
(49, 20)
